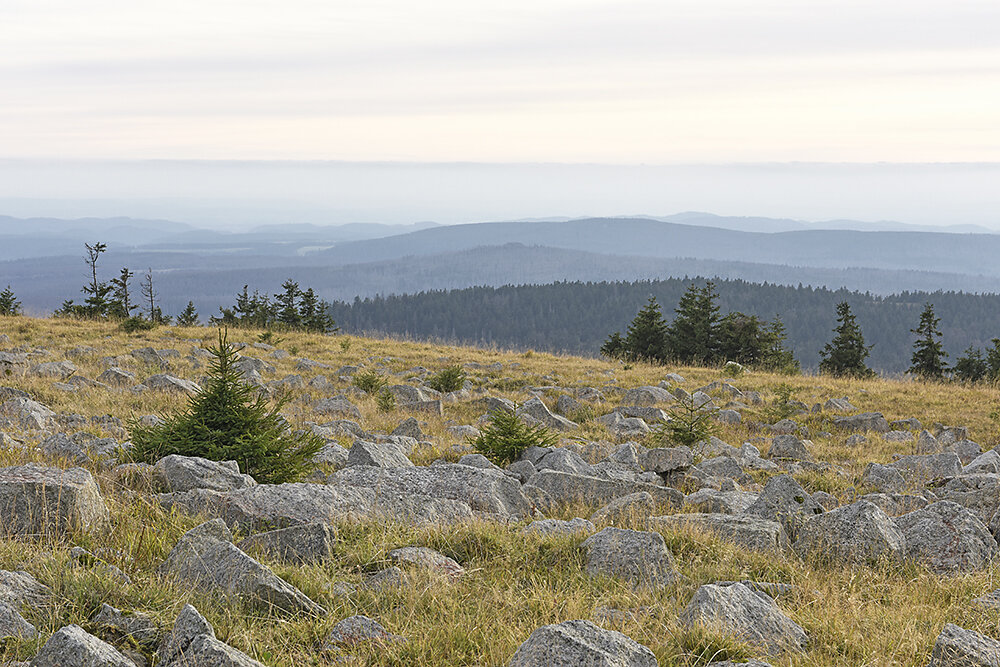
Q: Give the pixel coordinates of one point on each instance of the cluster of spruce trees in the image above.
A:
(293, 308)
(698, 335)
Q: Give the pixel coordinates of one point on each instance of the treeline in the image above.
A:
(577, 317)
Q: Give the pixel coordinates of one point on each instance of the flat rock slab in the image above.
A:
(749, 616)
(640, 557)
(37, 500)
(580, 644)
(750, 532)
(559, 488)
(205, 557)
(559, 527)
(184, 473)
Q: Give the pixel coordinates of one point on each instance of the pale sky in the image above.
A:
(605, 81)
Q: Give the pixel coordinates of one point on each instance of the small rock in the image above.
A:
(749, 616)
(641, 557)
(357, 630)
(71, 646)
(958, 647)
(428, 559)
(580, 644)
(558, 527)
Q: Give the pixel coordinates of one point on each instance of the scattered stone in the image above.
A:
(711, 501)
(663, 460)
(627, 509)
(35, 500)
(137, 628)
(856, 533)
(560, 488)
(987, 462)
(388, 579)
(12, 624)
(409, 427)
(308, 543)
(856, 440)
(884, 479)
(790, 448)
(925, 467)
(749, 616)
(647, 396)
(339, 406)
(898, 436)
(640, 557)
(27, 414)
(784, 500)
(192, 643)
(580, 643)
(784, 427)
(21, 588)
(535, 409)
(169, 383)
(947, 538)
(839, 405)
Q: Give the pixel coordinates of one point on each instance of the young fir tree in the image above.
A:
(646, 335)
(188, 317)
(693, 335)
(121, 302)
(286, 302)
(845, 355)
(230, 420)
(9, 305)
(928, 352)
(971, 366)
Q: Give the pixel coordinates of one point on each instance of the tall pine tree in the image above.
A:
(645, 337)
(693, 335)
(845, 355)
(928, 352)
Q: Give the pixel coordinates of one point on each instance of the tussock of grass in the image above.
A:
(879, 615)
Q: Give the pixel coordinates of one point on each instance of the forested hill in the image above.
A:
(577, 317)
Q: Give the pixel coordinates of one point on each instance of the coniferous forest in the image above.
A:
(578, 317)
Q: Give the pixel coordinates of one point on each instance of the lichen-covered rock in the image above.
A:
(21, 588)
(790, 448)
(667, 459)
(28, 414)
(117, 377)
(205, 556)
(647, 396)
(924, 467)
(883, 479)
(631, 508)
(71, 646)
(535, 409)
(183, 473)
(640, 557)
(785, 501)
(711, 501)
(855, 533)
(868, 421)
(381, 455)
(749, 616)
(339, 406)
(580, 644)
(171, 384)
(192, 643)
(947, 537)
(561, 488)
(36, 500)
(747, 531)
(958, 647)
(427, 559)
(358, 630)
(13, 625)
(307, 543)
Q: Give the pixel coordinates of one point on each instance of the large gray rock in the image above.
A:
(428, 559)
(958, 647)
(71, 646)
(282, 505)
(640, 557)
(35, 500)
(21, 588)
(868, 421)
(946, 537)
(749, 616)
(987, 462)
(580, 644)
(895, 504)
(979, 492)
(565, 460)
(183, 473)
(54, 369)
(647, 396)
(381, 455)
(338, 406)
(711, 501)
(549, 487)
(206, 557)
(535, 409)
(785, 501)
(171, 384)
(627, 509)
(790, 448)
(839, 405)
(559, 527)
(137, 629)
(28, 414)
(750, 532)
(486, 491)
(883, 479)
(12, 624)
(308, 543)
(192, 643)
(855, 533)
(117, 377)
(668, 459)
(924, 467)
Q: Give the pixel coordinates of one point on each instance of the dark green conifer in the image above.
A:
(928, 352)
(845, 355)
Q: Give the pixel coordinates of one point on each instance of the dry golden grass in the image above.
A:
(884, 615)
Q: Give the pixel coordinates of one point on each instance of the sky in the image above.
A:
(622, 82)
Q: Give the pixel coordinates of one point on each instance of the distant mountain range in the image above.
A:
(44, 256)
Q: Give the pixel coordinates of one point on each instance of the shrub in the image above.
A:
(269, 338)
(385, 401)
(370, 382)
(229, 420)
(448, 380)
(133, 324)
(506, 436)
(688, 424)
(345, 344)
(784, 404)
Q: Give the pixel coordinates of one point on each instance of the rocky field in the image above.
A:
(826, 522)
